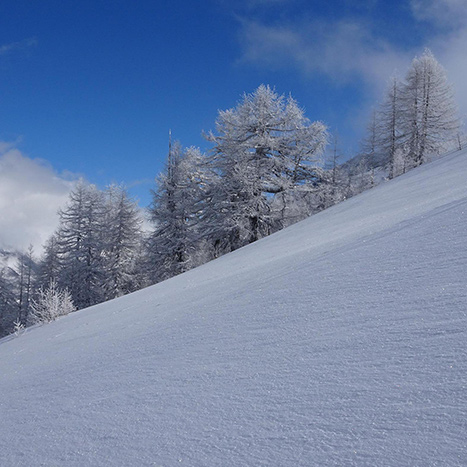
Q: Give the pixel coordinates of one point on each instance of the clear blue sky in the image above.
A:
(93, 86)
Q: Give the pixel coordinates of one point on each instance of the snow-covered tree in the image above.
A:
(263, 146)
(370, 147)
(81, 245)
(8, 306)
(51, 303)
(49, 266)
(386, 128)
(430, 119)
(333, 180)
(122, 240)
(23, 281)
(402, 160)
(176, 211)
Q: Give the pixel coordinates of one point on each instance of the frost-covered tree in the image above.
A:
(80, 238)
(385, 131)
(176, 211)
(8, 306)
(23, 282)
(49, 266)
(200, 183)
(51, 302)
(370, 148)
(430, 117)
(122, 239)
(263, 146)
(333, 179)
(417, 117)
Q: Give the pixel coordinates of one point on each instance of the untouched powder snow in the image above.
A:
(338, 341)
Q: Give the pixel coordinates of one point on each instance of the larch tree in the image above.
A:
(122, 241)
(430, 118)
(262, 147)
(23, 278)
(386, 126)
(370, 147)
(49, 266)
(81, 244)
(8, 305)
(175, 212)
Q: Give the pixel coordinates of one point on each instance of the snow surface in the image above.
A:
(338, 341)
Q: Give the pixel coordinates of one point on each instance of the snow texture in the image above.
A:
(338, 341)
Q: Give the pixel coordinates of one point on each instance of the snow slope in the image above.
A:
(338, 341)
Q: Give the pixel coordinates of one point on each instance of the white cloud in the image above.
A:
(31, 193)
(448, 40)
(342, 50)
(451, 52)
(347, 50)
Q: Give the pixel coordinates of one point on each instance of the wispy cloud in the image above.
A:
(443, 13)
(345, 50)
(18, 46)
(448, 39)
(341, 50)
(31, 192)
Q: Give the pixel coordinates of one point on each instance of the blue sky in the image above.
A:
(91, 88)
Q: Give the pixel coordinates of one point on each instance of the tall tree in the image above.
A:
(386, 133)
(370, 147)
(23, 279)
(263, 146)
(49, 266)
(122, 241)
(8, 310)
(176, 211)
(81, 244)
(430, 115)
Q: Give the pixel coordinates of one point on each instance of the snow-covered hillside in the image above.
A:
(338, 341)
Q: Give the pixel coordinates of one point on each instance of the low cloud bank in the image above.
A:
(31, 192)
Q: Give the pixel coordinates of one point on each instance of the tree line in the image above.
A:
(266, 170)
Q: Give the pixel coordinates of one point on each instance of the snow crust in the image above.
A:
(338, 341)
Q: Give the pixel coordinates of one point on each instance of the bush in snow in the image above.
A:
(51, 303)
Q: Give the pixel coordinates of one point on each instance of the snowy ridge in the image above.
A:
(338, 341)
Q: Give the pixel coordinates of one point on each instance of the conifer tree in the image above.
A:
(49, 266)
(121, 242)
(387, 131)
(23, 280)
(8, 312)
(81, 244)
(430, 117)
(263, 146)
(176, 211)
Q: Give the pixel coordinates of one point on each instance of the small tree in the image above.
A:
(51, 303)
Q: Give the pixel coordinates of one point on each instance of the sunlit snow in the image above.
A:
(338, 341)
